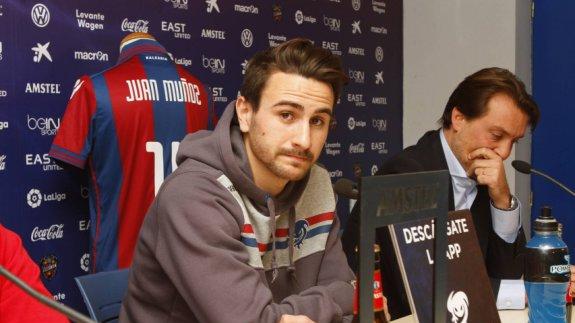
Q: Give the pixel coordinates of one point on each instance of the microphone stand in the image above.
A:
(534, 171)
(69, 312)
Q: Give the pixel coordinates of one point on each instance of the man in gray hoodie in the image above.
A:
(245, 229)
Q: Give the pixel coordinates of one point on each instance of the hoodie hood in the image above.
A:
(223, 149)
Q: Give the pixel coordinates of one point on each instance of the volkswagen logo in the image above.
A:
(247, 38)
(40, 15)
(379, 54)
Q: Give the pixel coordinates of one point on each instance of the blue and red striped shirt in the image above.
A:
(125, 124)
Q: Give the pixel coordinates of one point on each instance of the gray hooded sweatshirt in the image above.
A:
(209, 250)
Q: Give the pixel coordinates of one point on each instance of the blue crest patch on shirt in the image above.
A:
(301, 229)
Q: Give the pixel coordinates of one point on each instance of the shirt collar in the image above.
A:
(139, 43)
(453, 164)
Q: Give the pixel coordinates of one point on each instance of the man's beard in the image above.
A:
(277, 167)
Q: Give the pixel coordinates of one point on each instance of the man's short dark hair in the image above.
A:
(296, 56)
(472, 94)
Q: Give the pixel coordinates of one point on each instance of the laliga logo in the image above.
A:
(351, 123)
(301, 227)
(458, 306)
(40, 15)
(299, 17)
(34, 198)
(247, 38)
(356, 4)
(85, 262)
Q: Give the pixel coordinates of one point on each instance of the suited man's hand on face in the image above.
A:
(487, 168)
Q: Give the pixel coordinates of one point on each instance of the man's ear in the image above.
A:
(245, 113)
(457, 119)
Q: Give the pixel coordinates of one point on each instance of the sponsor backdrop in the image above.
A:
(553, 88)
(46, 45)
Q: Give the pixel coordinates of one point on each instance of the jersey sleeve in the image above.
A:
(73, 141)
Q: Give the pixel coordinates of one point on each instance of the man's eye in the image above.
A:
(496, 136)
(317, 122)
(286, 115)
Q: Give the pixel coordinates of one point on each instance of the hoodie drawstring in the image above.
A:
(291, 267)
(272, 226)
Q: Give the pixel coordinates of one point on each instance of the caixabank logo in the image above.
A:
(35, 198)
(212, 6)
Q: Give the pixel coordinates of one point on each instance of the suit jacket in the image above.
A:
(503, 260)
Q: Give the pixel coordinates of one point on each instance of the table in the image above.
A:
(507, 316)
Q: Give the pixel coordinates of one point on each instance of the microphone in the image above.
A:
(346, 188)
(59, 307)
(525, 168)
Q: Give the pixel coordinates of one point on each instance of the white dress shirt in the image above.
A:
(506, 223)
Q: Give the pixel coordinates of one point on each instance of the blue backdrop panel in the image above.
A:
(553, 88)
(45, 45)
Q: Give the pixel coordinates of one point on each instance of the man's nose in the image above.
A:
(302, 137)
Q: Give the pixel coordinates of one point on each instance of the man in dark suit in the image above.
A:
(485, 115)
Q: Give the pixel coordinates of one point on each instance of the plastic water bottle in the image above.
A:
(546, 271)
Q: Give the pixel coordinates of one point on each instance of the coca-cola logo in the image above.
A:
(55, 231)
(135, 26)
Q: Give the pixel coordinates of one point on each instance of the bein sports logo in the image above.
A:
(458, 306)
(179, 4)
(40, 15)
(215, 65)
